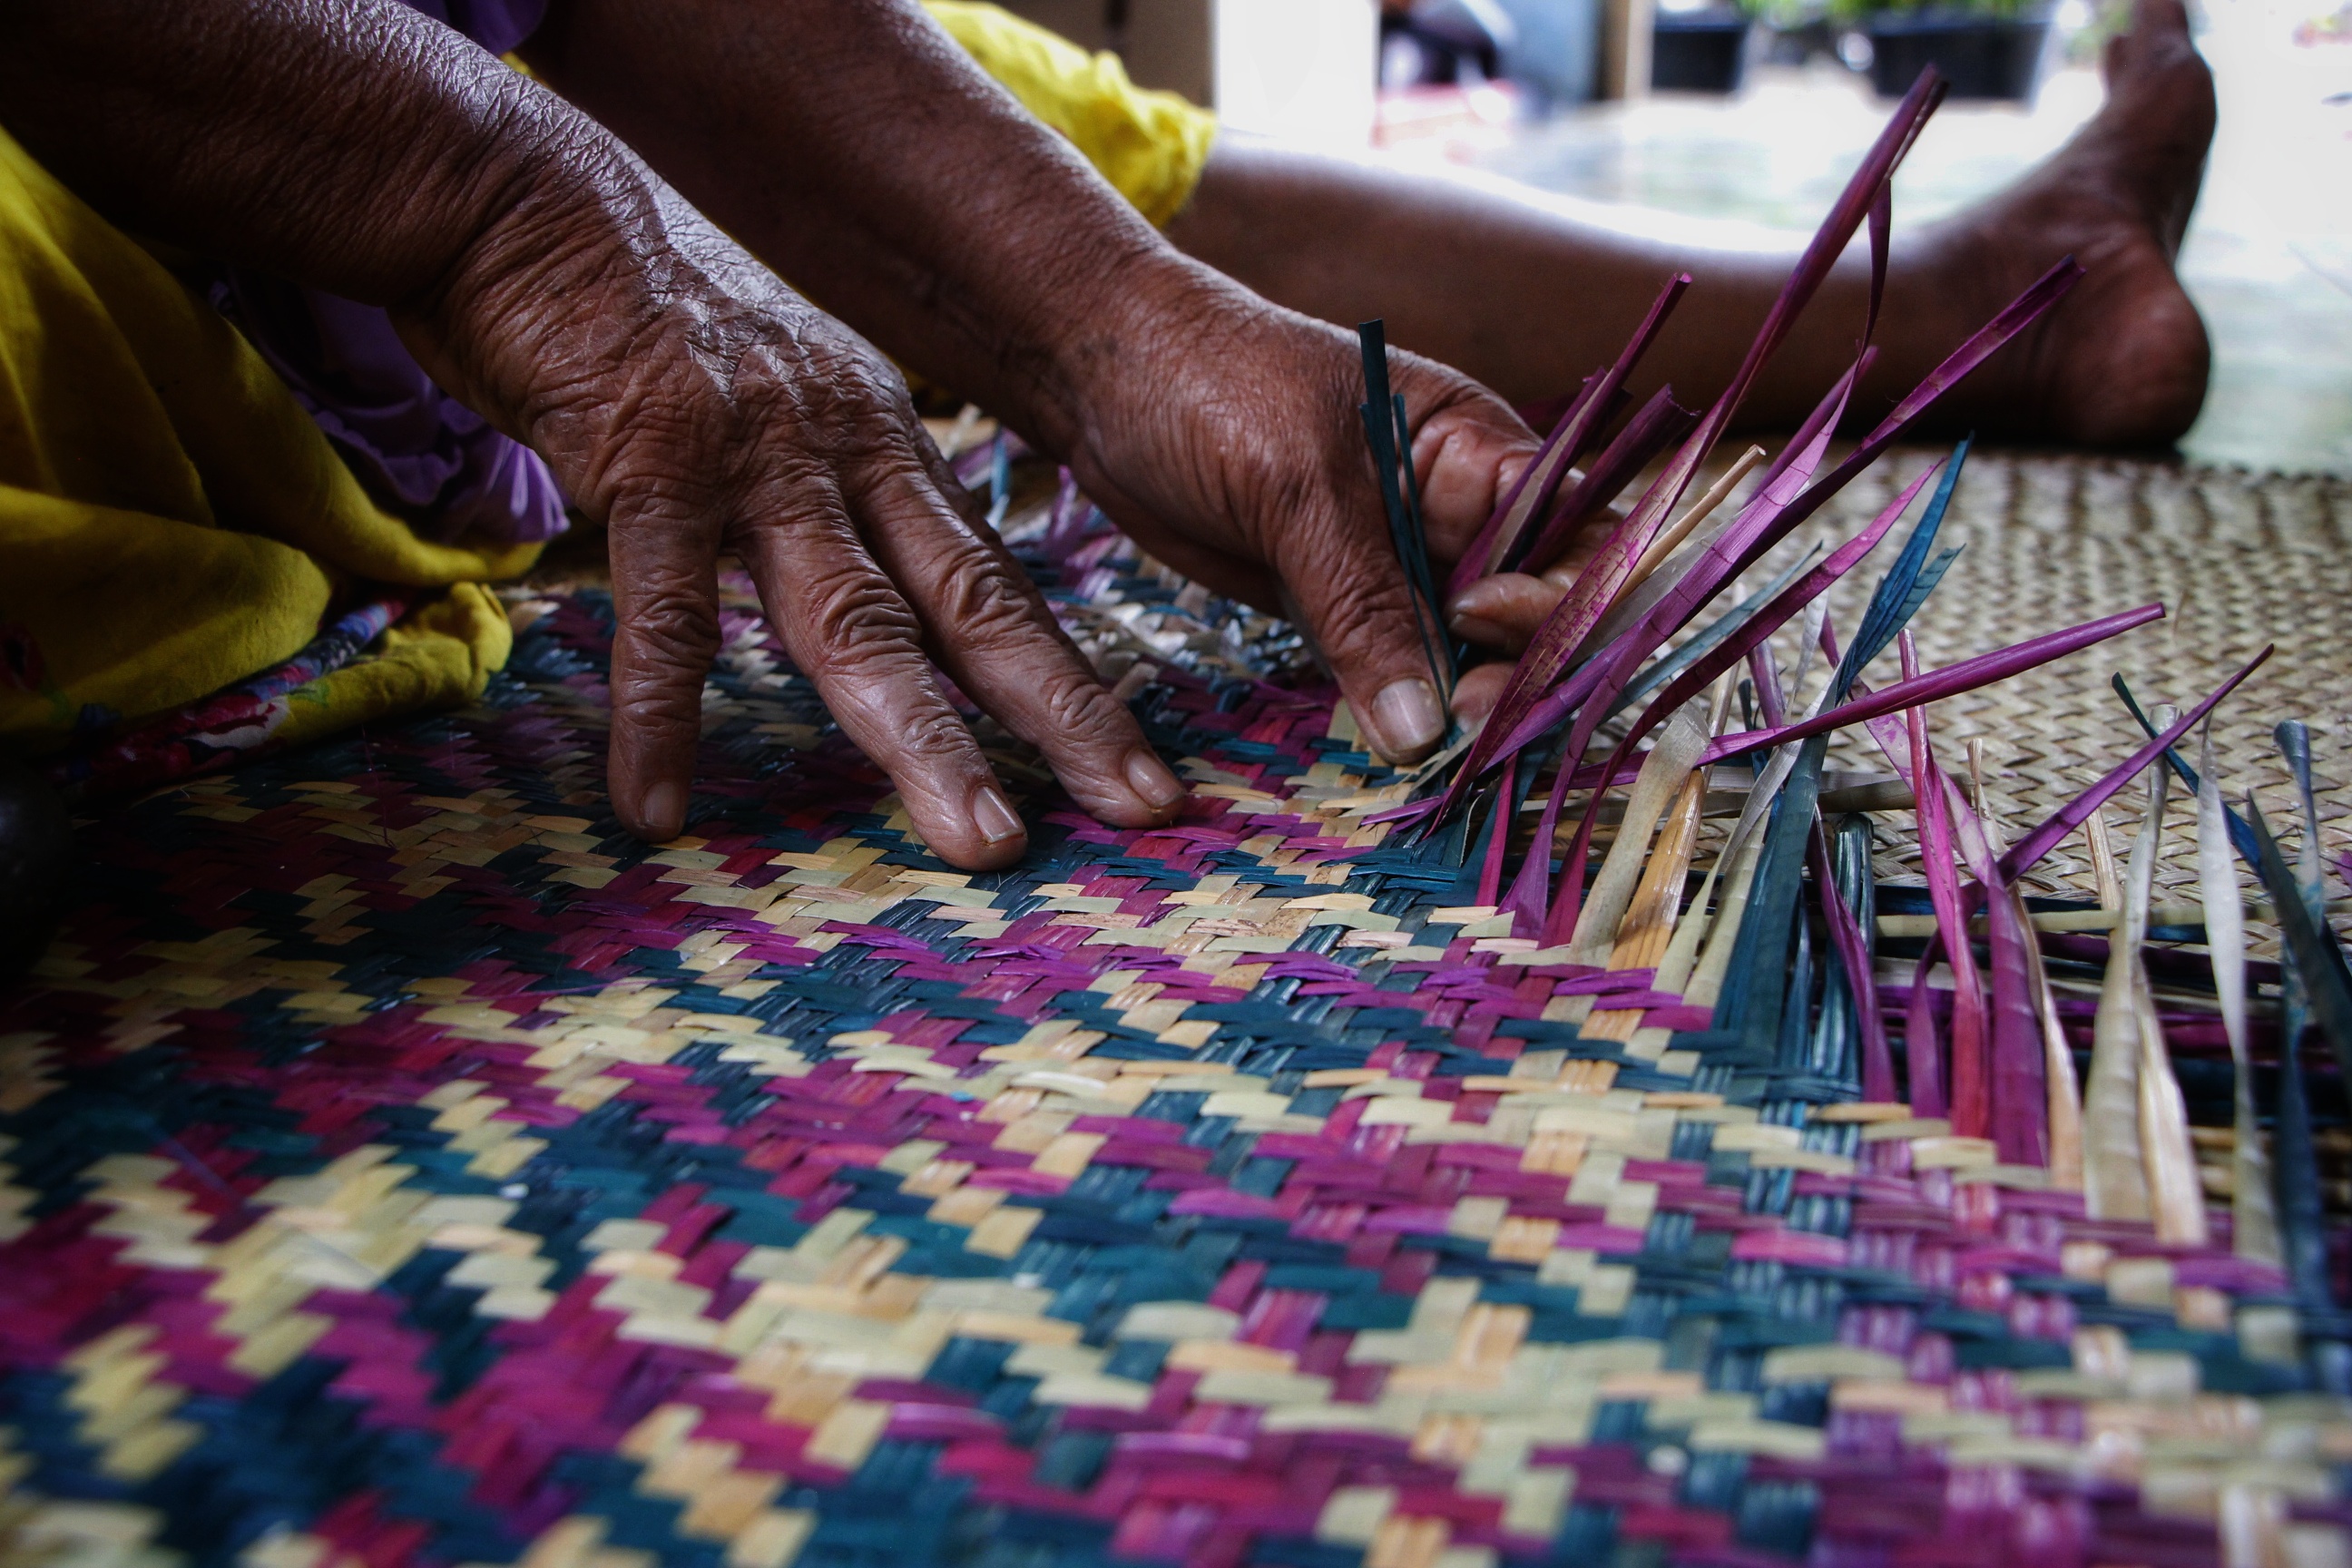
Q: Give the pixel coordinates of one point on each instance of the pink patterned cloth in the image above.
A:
(421, 454)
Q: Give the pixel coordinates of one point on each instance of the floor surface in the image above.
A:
(2268, 258)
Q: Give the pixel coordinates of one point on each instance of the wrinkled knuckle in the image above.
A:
(979, 599)
(670, 512)
(1077, 704)
(855, 613)
(1368, 620)
(650, 463)
(934, 735)
(659, 707)
(790, 484)
(671, 631)
(733, 406)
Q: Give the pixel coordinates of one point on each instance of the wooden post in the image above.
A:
(1625, 28)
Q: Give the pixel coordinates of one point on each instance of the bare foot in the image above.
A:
(2122, 362)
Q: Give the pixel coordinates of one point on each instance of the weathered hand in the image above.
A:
(686, 398)
(696, 405)
(916, 200)
(1225, 438)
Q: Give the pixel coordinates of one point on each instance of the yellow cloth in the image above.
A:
(1150, 145)
(171, 520)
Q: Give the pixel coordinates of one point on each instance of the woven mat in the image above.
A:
(399, 1165)
(2239, 560)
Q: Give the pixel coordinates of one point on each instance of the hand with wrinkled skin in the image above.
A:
(1218, 429)
(545, 273)
(682, 392)
(699, 405)
(1259, 487)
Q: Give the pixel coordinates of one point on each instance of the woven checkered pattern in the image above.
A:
(399, 1165)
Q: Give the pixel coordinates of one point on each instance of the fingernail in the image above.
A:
(1407, 713)
(994, 815)
(1148, 777)
(662, 810)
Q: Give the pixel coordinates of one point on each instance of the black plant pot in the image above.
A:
(1980, 56)
(1698, 51)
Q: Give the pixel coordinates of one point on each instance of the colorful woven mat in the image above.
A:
(399, 1165)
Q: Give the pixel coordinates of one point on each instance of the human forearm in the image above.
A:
(357, 147)
(851, 146)
(363, 150)
(1528, 292)
(680, 392)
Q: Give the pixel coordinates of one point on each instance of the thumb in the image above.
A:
(1347, 586)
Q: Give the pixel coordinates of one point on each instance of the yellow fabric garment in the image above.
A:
(1150, 145)
(171, 520)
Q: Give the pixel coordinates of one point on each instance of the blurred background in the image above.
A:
(1744, 117)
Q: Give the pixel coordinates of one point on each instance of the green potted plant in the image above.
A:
(1793, 31)
(1985, 48)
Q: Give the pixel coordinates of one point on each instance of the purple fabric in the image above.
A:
(419, 453)
(496, 25)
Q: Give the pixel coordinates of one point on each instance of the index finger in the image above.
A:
(1346, 586)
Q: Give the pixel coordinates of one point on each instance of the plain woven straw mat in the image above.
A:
(400, 1165)
(2240, 561)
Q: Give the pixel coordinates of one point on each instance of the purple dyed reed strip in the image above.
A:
(1601, 982)
(1814, 433)
(1951, 680)
(1554, 707)
(2021, 1090)
(1498, 842)
(1923, 1053)
(1575, 431)
(1581, 610)
(1882, 227)
(1530, 888)
(1746, 543)
(2020, 313)
(1775, 509)
(1657, 425)
(1578, 612)
(2068, 817)
(1936, 859)
(1616, 664)
(1563, 905)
